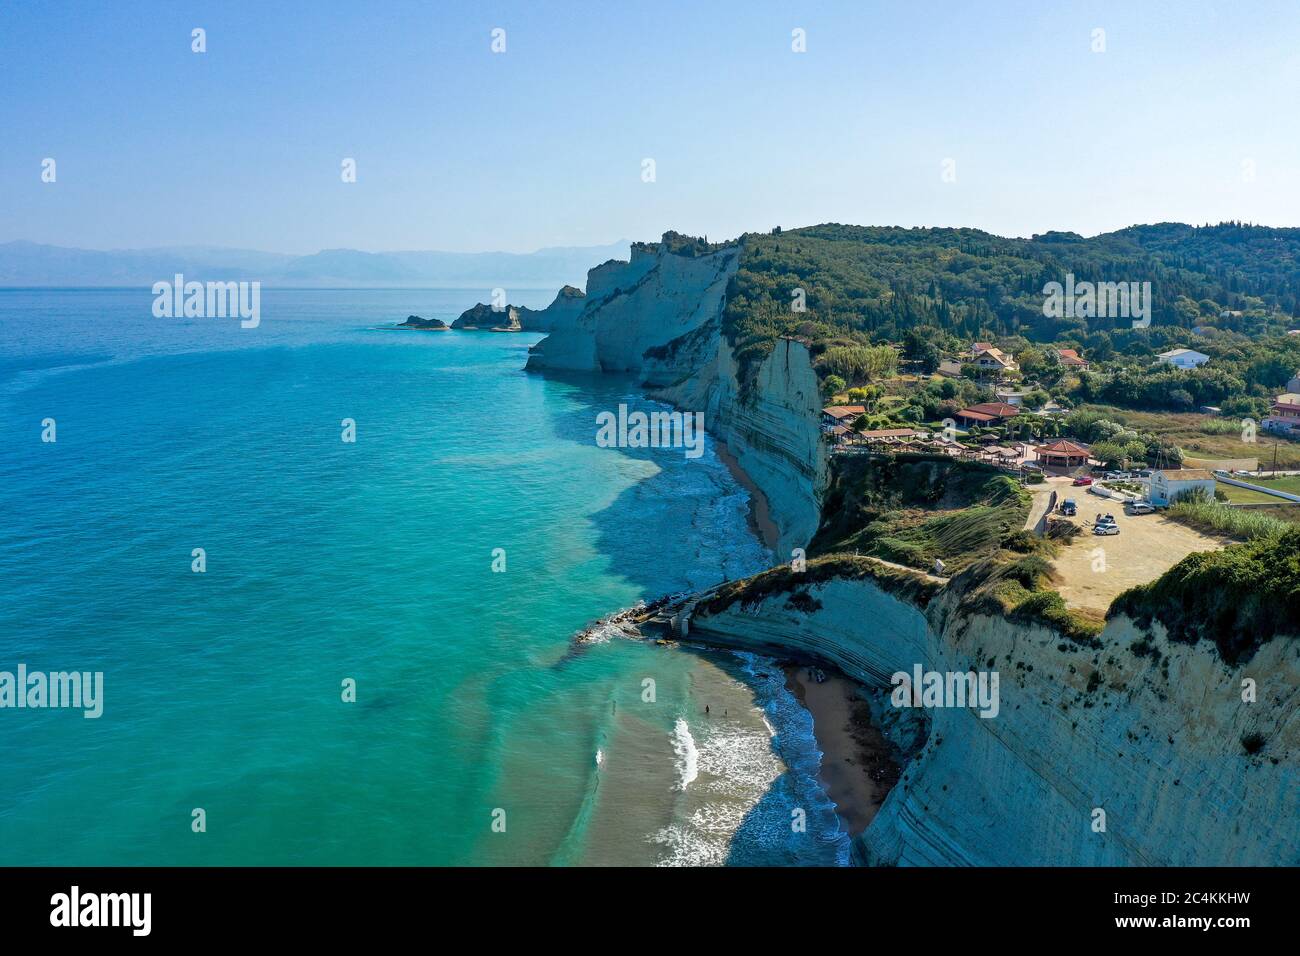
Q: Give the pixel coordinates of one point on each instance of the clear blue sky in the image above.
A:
(461, 149)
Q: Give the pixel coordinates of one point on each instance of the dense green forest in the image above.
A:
(869, 285)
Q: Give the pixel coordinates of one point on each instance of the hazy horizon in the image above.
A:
(1012, 118)
(210, 247)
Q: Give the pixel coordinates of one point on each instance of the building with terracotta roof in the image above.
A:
(841, 414)
(990, 359)
(987, 413)
(1062, 453)
(881, 433)
(1285, 414)
(1071, 359)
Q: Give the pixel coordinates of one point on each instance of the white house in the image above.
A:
(993, 360)
(1183, 358)
(1166, 486)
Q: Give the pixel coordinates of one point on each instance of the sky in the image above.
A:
(1000, 116)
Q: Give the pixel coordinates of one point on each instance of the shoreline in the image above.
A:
(857, 767)
(759, 515)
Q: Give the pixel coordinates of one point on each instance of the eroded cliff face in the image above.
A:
(566, 305)
(568, 302)
(634, 306)
(1148, 731)
(658, 315)
(773, 431)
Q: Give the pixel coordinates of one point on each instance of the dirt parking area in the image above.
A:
(1093, 569)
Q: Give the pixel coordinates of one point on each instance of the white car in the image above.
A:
(1105, 528)
(1139, 508)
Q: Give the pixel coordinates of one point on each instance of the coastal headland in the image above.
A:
(1132, 736)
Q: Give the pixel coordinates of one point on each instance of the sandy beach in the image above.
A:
(857, 768)
(760, 513)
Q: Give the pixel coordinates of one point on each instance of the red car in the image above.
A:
(1085, 480)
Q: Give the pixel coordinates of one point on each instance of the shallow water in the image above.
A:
(370, 561)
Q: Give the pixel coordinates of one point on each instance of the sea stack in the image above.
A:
(485, 318)
(423, 325)
(567, 304)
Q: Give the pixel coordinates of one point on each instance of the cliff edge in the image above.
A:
(1129, 750)
(658, 316)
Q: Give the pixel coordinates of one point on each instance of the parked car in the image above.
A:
(1080, 482)
(1069, 508)
(1113, 475)
(1139, 508)
(1111, 528)
(1144, 473)
(1106, 519)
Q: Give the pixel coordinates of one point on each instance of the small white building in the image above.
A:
(1183, 358)
(1166, 486)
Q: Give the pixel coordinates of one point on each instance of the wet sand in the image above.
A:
(760, 512)
(857, 770)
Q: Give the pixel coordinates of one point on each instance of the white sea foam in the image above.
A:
(735, 766)
(688, 757)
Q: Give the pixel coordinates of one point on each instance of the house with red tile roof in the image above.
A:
(1071, 359)
(987, 413)
(842, 414)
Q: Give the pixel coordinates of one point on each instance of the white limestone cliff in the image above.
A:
(1153, 740)
(659, 316)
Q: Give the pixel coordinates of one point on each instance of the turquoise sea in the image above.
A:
(372, 561)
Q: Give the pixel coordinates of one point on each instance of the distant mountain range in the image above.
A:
(32, 264)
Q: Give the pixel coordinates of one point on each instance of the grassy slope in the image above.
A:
(1246, 496)
(910, 510)
(916, 508)
(1239, 598)
(1186, 430)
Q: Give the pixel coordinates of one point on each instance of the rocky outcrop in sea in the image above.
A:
(517, 318)
(423, 325)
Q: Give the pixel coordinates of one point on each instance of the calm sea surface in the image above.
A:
(370, 561)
